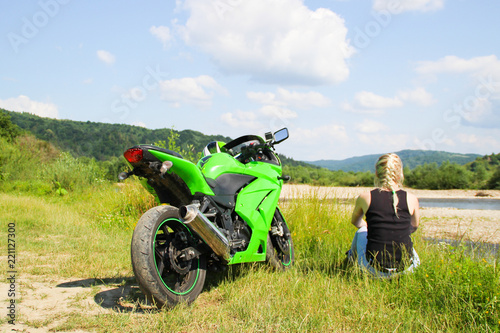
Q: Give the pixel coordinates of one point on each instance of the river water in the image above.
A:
(465, 203)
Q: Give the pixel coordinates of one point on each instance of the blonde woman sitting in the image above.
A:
(382, 246)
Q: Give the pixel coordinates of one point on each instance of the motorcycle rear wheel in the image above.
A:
(280, 253)
(162, 275)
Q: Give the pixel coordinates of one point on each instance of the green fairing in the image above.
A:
(220, 163)
(255, 203)
(189, 172)
(256, 206)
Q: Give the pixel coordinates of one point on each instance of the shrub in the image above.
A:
(71, 173)
(494, 181)
(8, 130)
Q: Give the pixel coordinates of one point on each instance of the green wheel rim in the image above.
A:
(193, 284)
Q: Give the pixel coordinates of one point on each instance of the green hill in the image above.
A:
(101, 140)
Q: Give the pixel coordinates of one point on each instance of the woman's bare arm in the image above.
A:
(413, 207)
(360, 208)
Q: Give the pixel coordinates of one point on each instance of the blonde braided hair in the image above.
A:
(389, 175)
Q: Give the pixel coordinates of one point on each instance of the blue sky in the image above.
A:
(348, 78)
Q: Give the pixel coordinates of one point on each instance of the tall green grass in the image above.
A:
(37, 167)
(86, 235)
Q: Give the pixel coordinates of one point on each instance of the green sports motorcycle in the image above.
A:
(221, 211)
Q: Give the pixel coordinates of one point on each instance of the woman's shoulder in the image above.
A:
(410, 195)
(363, 200)
(412, 201)
(365, 195)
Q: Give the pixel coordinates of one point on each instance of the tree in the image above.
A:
(8, 130)
(479, 175)
(452, 176)
(494, 181)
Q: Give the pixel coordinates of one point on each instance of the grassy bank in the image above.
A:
(87, 236)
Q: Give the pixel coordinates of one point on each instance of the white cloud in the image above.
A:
(418, 96)
(25, 104)
(481, 112)
(436, 143)
(263, 98)
(384, 142)
(399, 6)
(303, 100)
(478, 142)
(106, 57)
(274, 111)
(242, 120)
(465, 141)
(162, 33)
(468, 138)
(452, 64)
(370, 126)
(370, 100)
(327, 136)
(288, 98)
(267, 118)
(479, 106)
(355, 108)
(270, 40)
(367, 102)
(192, 90)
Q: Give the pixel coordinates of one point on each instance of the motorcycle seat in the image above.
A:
(163, 150)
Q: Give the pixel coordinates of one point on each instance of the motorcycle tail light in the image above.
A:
(133, 155)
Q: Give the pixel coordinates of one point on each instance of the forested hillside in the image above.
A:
(101, 140)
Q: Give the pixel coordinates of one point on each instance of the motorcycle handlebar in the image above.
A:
(254, 150)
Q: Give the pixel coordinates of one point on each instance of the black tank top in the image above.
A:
(389, 241)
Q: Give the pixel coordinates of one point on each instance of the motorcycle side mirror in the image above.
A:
(281, 135)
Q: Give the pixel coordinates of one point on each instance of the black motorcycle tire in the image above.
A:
(280, 253)
(153, 240)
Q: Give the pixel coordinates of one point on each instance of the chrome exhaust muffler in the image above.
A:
(211, 235)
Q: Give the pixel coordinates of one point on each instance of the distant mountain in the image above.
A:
(410, 158)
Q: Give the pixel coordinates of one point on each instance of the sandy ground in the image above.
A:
(44, 303)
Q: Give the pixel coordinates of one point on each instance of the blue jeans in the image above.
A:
(358, 253)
